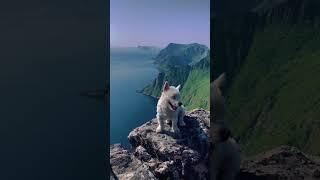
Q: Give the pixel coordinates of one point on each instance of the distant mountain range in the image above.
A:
(188, 65)
(148, 48)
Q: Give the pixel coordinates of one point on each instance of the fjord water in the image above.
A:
(130, 70)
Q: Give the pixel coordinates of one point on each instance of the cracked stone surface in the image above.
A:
(165, 155)
(185, 156)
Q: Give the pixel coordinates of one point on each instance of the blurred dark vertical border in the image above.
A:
(44, 47)
(212, 51)
(107, 95)
(212, 2)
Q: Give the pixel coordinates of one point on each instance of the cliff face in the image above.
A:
(187, 65)
(166, 155)
(235, 23)
(270, 51)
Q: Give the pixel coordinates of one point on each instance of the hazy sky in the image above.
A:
(159, 22)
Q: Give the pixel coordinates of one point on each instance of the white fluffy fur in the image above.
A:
(225, 158)
(169, 108)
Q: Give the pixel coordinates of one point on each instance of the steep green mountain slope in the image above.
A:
(187, 65)
(274, 80)
(275, 97)
(196, 89)
(174, 75)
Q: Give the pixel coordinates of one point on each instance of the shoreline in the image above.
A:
(130, 148)
(141, 92)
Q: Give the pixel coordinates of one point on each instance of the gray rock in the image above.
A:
(168, 156)
(126, 167)
(142, 154)
(176, 155)
(165, 155)
(283, 162)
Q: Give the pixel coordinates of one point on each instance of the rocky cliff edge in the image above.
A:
(168, 156)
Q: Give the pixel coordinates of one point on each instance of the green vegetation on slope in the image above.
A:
(187, 65)
(174, 76)
(275, 97)
(196, 90)
(195, 83)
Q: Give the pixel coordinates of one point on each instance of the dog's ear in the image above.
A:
(220, 82)
(178, 87)
(166, 86)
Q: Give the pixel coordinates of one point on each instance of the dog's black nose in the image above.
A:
(180, 103)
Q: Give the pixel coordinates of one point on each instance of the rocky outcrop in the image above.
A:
(284, 162)
(126, 166)
(165, 155)
(169, 156)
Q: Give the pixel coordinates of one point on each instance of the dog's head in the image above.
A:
(171, 96)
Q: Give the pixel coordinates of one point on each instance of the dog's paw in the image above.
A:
(182, 123)
(175, 130)
(159, 129)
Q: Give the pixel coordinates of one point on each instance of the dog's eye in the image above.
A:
(174, 97)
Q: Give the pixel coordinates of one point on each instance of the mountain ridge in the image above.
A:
(184, 64)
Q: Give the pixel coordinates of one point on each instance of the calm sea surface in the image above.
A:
(131, 70)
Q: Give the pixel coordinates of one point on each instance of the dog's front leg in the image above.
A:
(160, 124)
(175, 128)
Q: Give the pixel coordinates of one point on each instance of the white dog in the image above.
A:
(170, 108)
(225, 157)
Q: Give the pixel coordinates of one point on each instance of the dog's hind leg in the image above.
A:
(160, 124)
(175, 128)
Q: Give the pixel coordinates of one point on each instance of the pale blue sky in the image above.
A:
(159, 22)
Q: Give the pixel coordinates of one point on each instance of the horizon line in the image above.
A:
(157, 46)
